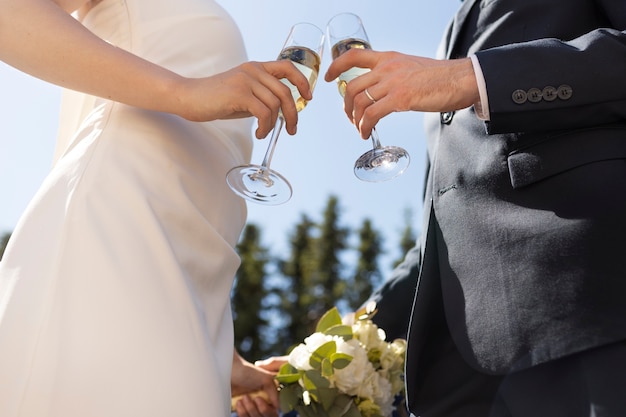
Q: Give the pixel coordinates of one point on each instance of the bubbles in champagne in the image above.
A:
(308, 63)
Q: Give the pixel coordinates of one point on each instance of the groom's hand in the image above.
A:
(255, 404)
(259, 403)
(254, 390)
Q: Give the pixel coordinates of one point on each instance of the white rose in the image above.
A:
(300, 356)
(369, 334)
(378, 389)
(316, 340)
(350, 378)
(382, 393)
(392, 357)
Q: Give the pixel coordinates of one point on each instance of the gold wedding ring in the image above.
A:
(367, 93)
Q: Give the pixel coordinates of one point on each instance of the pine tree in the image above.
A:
(296, 293)
(249, 295)
(367, 275)
(329, 286)
(276, 308)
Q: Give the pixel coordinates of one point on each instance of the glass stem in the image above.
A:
(272, 145)
(375, 141)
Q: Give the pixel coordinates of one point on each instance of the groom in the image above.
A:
(520, 305)
(520, 273)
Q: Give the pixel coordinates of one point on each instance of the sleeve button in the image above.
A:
(520, 96)
(549, 93)
(534, 95)
(565, 92)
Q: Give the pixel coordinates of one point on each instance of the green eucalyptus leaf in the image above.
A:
(340, 330)
(343, 406)
(353, 411)
(289, 397)
(329, 319)
(286, 368)
(321, 353)
(340, 360)
(317, 386)
(288, 379)
(314, 380)
(327, 367)
(312, 410)
(327, 397)
(288, 374)
(308, 382)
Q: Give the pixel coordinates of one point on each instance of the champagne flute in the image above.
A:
(381, 163)
(260, 183)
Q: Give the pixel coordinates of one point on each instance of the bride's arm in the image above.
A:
(41, 38)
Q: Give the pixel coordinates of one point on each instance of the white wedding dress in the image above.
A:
(115, 287)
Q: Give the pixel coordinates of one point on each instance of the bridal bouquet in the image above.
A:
(343, 370)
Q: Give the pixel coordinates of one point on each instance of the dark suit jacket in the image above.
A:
(525, 215)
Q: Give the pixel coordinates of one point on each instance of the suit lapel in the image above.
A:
(457, 25)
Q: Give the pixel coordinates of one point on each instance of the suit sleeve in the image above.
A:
(394, 299)
(550, 84)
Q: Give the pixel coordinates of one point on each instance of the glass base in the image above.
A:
(381, 164)
(258, 184)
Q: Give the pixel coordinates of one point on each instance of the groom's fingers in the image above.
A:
(362, 58)
(264, 408)
(255, 406)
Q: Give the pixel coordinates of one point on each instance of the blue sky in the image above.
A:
(318, 161)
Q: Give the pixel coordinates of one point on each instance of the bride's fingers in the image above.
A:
(265, 105)
(271, 364)
(267, 96)
(286, 70)
(263, 94)
(269, 89)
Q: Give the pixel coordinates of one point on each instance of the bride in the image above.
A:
(115, 285)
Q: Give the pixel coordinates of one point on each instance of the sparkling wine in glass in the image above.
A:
(260, 183)
(381, 163)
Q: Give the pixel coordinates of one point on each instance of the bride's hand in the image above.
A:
(250, 89)
(272, 364)
(254, 390)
